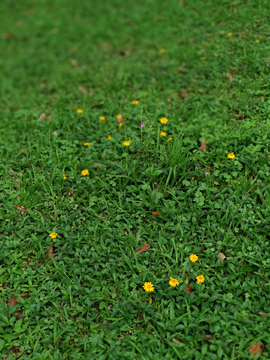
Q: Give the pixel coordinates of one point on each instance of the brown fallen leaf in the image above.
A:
(234, 10)
(50, 251)
(12, 301)
(257, 21)
(83, 90)
(155, 213)
(70, 194)
(25, 264)
(240, 116)
(18, 314)
(203, 145)
(222, 257)
(255, 348)
(42, 117)
(21, 208)
(202, 249)
(183, 95)
(207, 338)
(229, 76)
(97, 165)
(176, 341)
(126, 233)
(120, 119)
(125, 52)
(265, 315)
(23, 151)
(188, 290)
(143, 248)
(13, 172)
(8, 36)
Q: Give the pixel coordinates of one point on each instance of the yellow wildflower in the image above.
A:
(135, 102)
(53, 235)
(109, 137)
(231, 155)
(163, 133)
(121, 124)
(119, 116)
(162, 51)
(79, 111)
(56, 197)
(85, 172)
(102, 118)
(87, 144)
(126, 143)
(257, 41)
(163, 120)
(203, 58)
(64, 176)
(173, 282)
(148, 286)
(170, 139)
(193, 257)
(200, 279)
(229, 33)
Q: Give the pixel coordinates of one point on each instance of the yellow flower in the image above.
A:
(163, 133)
(162, 51)
(194, 158)
(229, 34)
(257, 41)
(53, 235)
(231, 155)
(109, 137)
(102, 118)
(261, 97)
(72, 227)
(119, 116)
(56, 197)
(85, 172)
(203, 58)
(135, 102)
(170, 139)
(64, 176)
(163, 120)
(173, 282)
(87, 144)
(79, 111)
(126, 143)
(200, 279)
(148, 287)
(193, 257)
(1, 284)
(121, 124)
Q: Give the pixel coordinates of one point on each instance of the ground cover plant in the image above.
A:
(134, 183)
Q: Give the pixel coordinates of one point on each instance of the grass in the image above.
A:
(202, 65)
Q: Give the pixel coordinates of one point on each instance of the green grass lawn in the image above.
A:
(84, 86)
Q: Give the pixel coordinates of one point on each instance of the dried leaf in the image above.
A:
(13, 172)
(155, 213)
(8, 36)
(70, 194)
(25, 264)
(203, 145)
(265, 315)
(83, 90)
(222, 257)
(18, 314)
(42, 117)
(23, 151)
(188, 290)
(207, 338)
(50, 251)
(120, 119)
(234, 10)
(125, 52)
(143, 248)
(21, 208)
(183, 95)
(255, 348)
(12, 301)
(126, 233)
(98, 165)
(202, 249)
(240, 116)
(176, 341)
(229, 76)
(257, 21)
